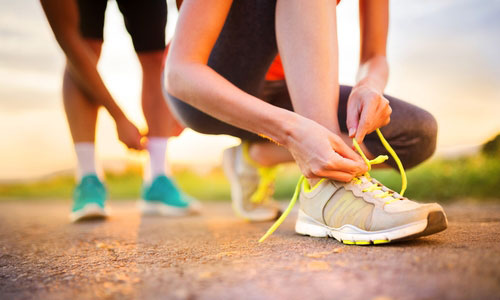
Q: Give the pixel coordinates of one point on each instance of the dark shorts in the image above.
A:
(145, 21)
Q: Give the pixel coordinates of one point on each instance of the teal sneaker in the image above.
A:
(163, 197)
(88, 199)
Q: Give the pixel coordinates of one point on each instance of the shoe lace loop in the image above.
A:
(378, 160)
(264, 189)
(267, 176)
(375, 186)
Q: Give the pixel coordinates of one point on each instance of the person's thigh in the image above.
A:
(412, 131)
(242, 54)
(145, 22)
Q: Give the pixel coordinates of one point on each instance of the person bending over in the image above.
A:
(215, 77)
(78, 28)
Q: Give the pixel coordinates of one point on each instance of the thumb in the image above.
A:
(352, 119)
(144, 142)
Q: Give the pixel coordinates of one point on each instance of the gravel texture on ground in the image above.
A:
(216, 256)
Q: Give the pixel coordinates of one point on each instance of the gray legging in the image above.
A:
(243, 53)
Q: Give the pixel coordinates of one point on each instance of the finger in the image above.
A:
(383, 115)
(386, 122)
(144, 142)
(344, 150)
(352, 118)
(337, 175)
(139, 145)
(135, 144)
(365, 121)
(384, 108)
(346, 165)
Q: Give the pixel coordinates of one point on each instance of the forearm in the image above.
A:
(63, 20)
(374, 72)
(82, 69)
(203, 88)
(373, 24)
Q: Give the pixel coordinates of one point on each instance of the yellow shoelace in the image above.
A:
(378, 160)
(264, 190)
(267, 176)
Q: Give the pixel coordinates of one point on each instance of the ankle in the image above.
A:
(157, 165)
(86, 161)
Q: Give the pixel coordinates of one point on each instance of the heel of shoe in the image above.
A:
(306, 225)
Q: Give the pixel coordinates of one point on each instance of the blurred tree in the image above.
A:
(492, 147)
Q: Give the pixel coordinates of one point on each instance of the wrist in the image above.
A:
(117, 115)
(286, 122)
(369, 83)
(291, 129)
(373, 73)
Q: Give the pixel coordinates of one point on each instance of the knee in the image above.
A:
(425, 136)
(151, 60)
(189, 116)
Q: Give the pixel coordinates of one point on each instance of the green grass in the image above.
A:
(437, 180)
(472, 177)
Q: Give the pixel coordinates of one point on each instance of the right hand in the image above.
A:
(321, 153)
(129, 134)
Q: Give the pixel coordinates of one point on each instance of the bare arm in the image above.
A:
(63, 19)
(190, 79)
(374, 23)
(367, 108)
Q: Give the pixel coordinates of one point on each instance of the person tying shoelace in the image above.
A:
(216, 83)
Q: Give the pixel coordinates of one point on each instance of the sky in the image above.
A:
(443, 56)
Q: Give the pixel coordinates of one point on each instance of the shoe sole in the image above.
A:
(352, 235)
(228, 158)
(155, 208)
(90, 211)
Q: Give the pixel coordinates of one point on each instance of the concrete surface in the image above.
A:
(216, 256)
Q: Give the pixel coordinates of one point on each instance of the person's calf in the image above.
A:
(268, 154)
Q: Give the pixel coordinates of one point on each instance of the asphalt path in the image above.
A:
(216, 256)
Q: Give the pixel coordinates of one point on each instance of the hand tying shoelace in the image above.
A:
(363, 179)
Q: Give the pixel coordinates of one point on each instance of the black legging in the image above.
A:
(243, 53)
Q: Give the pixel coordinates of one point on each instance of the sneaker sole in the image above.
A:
(151, 208)
(88, 212)
(228, 158)
(352, 235)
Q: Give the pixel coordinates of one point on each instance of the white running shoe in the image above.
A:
(364, 212)
(252, 186)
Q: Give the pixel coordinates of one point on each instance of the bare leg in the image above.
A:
(307, 41)
(160, 121)
(314, 25)
(81, 112)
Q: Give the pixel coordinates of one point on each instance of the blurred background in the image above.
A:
(443, 57)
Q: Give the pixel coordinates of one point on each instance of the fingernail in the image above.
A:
(352, 131)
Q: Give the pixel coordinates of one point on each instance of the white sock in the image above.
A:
(85, 154)
(157, 147)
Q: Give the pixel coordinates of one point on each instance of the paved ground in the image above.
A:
(216, 256)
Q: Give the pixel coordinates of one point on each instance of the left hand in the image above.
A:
(367, 110)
